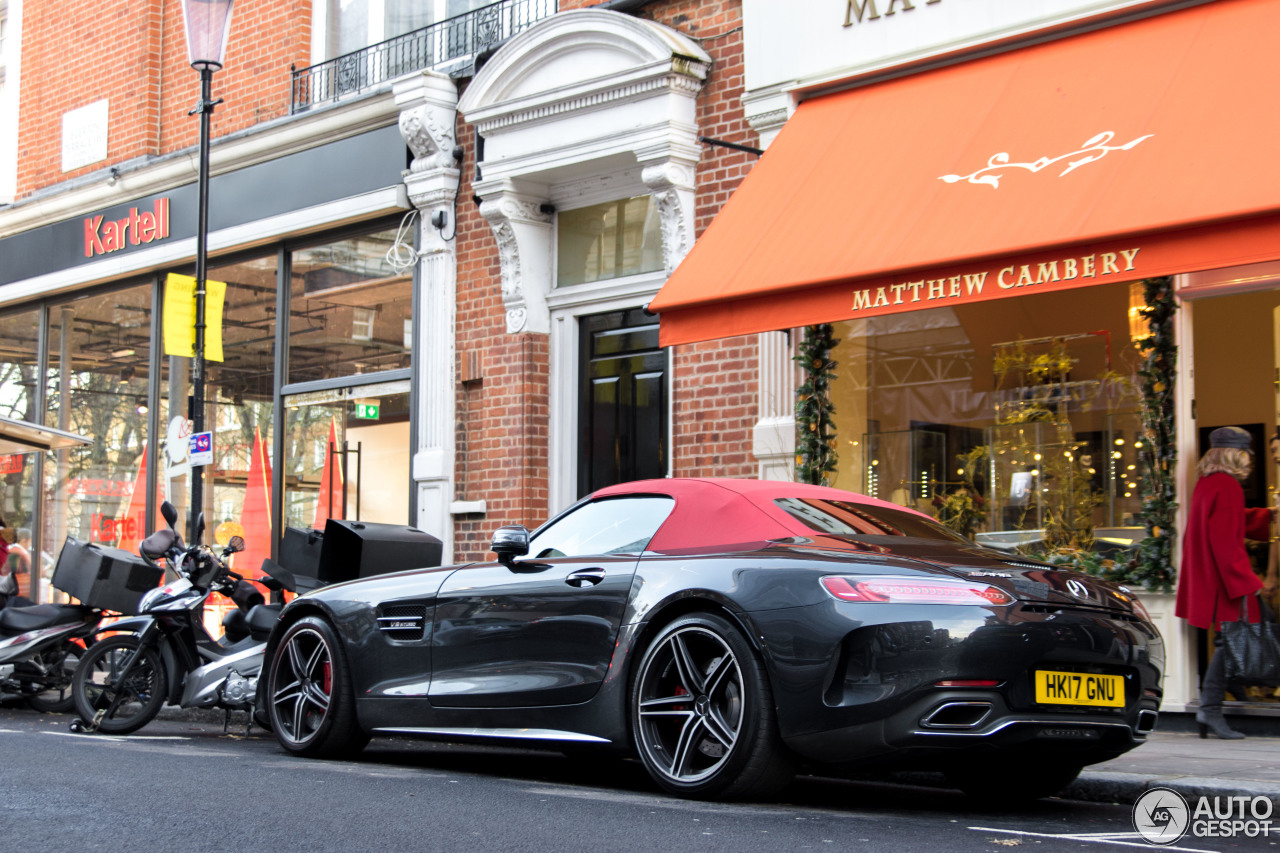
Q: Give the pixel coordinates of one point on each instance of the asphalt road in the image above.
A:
(183, 787)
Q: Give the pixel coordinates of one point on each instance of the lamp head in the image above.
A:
(208, 23)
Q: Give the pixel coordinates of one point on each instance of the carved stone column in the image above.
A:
(774, 437)
(521, 222)
(427, 103)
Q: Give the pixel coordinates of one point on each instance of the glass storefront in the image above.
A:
(345, 399)
(1013, 421)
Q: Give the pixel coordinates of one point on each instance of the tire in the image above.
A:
(998, 785)
(702, 714)
(57, 698)
(310, 699)
(136, 702)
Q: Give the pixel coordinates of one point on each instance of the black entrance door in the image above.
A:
(623, 400)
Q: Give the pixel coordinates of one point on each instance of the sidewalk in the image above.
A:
(1187, 764)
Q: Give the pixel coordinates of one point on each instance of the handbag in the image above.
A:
(1253, 648)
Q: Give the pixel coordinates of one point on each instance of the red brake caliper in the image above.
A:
(328, 678)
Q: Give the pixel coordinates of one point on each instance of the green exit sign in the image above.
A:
(367, 411)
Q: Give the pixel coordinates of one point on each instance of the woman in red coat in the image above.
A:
(1216, 576)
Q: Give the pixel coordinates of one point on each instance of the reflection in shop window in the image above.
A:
(1014, 421)
(349, 310)
(605, 241)
(96, 386)
(18, 350)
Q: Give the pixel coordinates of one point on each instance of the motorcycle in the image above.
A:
(40, 647)
(122, 682)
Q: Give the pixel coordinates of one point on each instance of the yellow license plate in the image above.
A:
(1079, 688)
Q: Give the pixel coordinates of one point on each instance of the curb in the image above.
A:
(1125, 788)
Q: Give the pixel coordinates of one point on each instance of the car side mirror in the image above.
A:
(510, 542)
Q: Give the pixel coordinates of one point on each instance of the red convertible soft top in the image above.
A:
(713, 512)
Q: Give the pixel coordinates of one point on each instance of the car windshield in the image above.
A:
(845, 518)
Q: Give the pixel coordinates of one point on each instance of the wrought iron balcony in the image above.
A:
(447, 44)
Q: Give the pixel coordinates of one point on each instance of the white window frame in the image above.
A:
(568, 305)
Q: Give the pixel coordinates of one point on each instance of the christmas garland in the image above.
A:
(815, 429)
(1152, 563)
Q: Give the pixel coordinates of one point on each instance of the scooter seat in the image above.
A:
(19, 620)
(262, 619)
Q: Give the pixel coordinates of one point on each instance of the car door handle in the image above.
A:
(585, 578)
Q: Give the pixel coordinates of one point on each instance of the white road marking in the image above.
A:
(1107, 837)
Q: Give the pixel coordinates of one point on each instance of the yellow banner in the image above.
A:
(180, 317)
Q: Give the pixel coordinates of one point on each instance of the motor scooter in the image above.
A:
(40, 648)
(121, 684)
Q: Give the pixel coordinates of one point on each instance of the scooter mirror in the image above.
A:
(169, 512)
(199, 531)
(236, 545)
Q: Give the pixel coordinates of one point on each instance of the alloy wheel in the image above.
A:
(690, 704)
(302, 685)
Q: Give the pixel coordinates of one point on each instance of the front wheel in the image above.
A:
(115, 706)
(59, 665)
(309, 694)
(702, 713)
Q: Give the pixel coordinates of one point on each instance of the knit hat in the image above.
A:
(1230, 436)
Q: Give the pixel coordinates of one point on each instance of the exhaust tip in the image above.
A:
(1146, 721)
(957, 715)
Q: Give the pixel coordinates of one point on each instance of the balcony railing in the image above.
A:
(441, 45)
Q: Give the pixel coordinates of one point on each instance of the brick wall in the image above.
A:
(134, 54)
(502, 420)
(716, 383)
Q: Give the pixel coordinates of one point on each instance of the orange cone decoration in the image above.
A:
(132, 527)
(332, 486)
(255, 518)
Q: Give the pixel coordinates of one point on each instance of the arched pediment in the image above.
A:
(581, 55)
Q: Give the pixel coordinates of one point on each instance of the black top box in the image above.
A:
(104, 578)
(361, 549)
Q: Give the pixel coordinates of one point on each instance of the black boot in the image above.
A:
(1207, 721)
(1209, 718)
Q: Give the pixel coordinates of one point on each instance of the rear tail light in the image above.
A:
(912, 591)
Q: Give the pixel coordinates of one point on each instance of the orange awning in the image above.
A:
(1142, 149)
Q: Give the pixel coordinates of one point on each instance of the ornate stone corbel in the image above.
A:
(524, 235)
(428, 105)
(672, 185)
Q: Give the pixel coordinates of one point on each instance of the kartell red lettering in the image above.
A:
(103, 236)
(92, 241)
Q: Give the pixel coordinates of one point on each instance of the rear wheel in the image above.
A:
(60, 663)
(702, 713)
(310, 696)
(108, 703)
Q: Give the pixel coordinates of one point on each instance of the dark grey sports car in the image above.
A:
(729, 633)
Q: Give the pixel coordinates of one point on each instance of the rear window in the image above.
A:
(843, 518)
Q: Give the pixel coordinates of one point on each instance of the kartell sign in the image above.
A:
(102, 235)
(134, 233)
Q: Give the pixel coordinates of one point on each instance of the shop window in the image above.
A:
(1013, 421)
(349, 310)
(341, 445)
(238, 400)
(18, 376)
(605, 241)
(96, 386)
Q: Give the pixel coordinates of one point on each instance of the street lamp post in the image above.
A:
(207, 25)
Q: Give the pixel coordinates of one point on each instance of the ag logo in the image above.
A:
(1077, 589)
(1161, 816)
